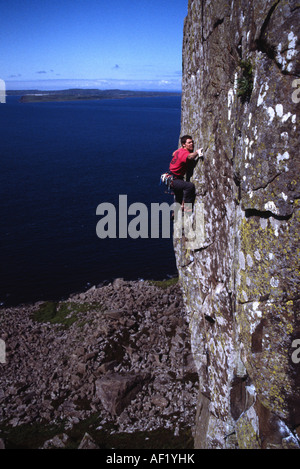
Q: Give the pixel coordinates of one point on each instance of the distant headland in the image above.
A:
(33, 96)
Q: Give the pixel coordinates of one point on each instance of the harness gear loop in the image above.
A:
(167, 180)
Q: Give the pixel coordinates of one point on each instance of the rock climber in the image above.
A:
(184, 190)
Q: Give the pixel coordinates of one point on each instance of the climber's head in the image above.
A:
(187, 143)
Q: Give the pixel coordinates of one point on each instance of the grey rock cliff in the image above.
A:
(241, 93)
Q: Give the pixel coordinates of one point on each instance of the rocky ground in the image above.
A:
(111, 367)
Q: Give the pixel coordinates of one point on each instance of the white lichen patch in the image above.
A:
(230, 102)
(275, 225)
(242, 260)
(271, 114)
(249, 260)
(274, 282)
(270, 206)
(292, 46)
(245, 296)
(279, 110)
(251, 390)
(253, 419)
(257, 255)
(248, 145)
(235, 86)
(263, 223)
(249, 119)
(282, 157)
(285, 56)
(286, 117)
(255, 315)
(262, 93)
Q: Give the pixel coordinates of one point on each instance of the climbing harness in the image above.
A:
(167, 180)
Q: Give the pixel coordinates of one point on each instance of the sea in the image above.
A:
(59, 162)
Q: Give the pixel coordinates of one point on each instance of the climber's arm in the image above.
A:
(196, 153)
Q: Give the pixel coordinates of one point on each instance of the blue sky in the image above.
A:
(59, 44)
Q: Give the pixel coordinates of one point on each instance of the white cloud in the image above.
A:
(60, 84)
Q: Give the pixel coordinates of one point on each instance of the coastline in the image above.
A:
(10, 302)
(38, 96)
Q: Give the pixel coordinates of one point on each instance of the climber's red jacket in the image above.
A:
(179, 161)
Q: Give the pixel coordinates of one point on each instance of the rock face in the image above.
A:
(116, 391)
(241, 285)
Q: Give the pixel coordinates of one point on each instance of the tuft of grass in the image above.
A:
(245, 81)
(34, 435)
(164, 283)
(65, 313)
(29, 435)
